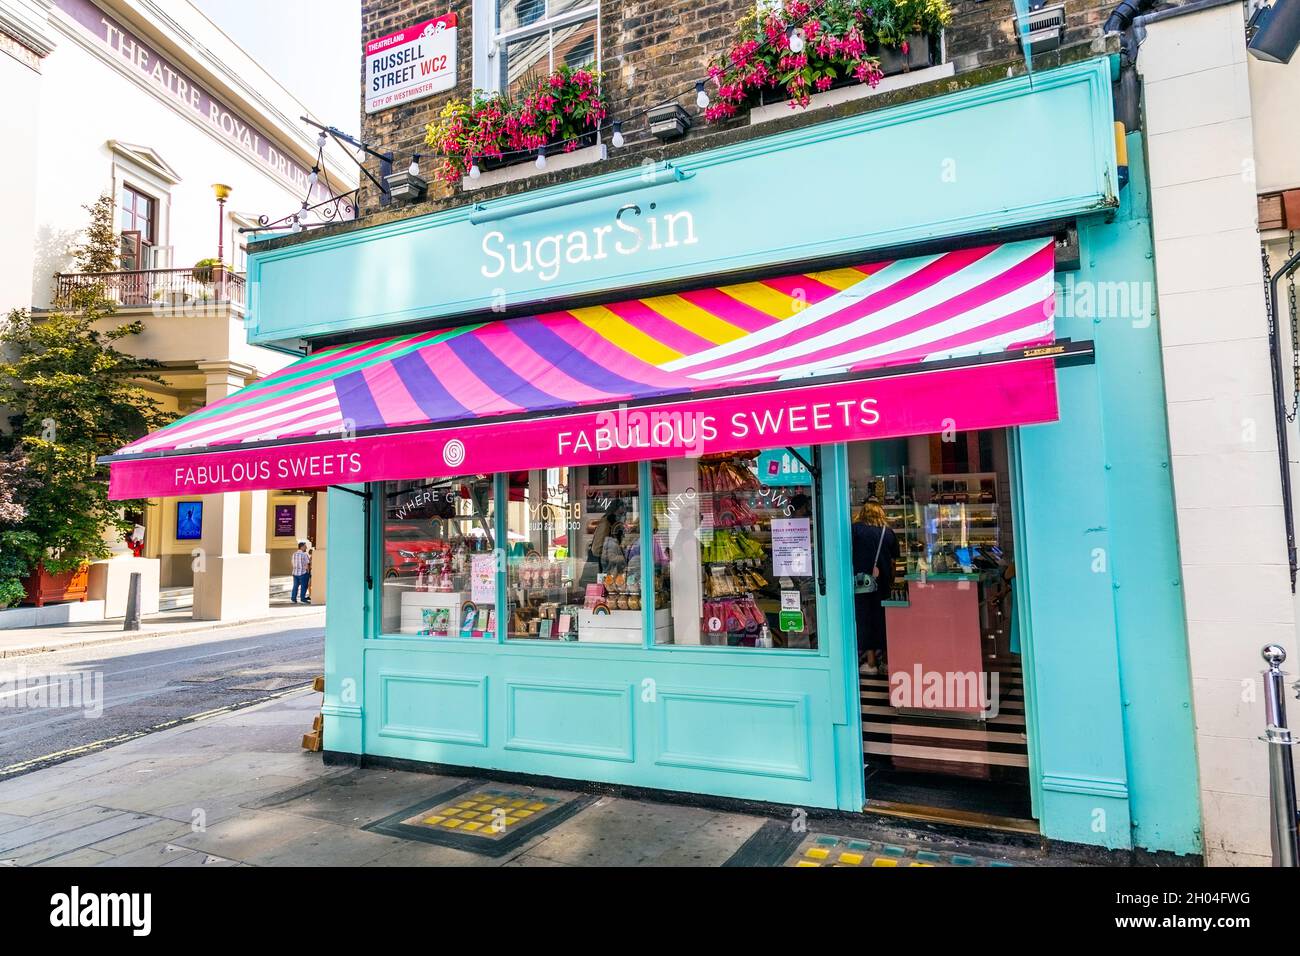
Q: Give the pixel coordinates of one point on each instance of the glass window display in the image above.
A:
(739, 566)
(573, 565)
(439, 558)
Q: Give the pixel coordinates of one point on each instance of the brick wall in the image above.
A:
(653, 49)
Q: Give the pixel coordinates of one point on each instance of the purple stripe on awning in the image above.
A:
(356, 403)
(498, 377)
(427, 392)
(575, 364)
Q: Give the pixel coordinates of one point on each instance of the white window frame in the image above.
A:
(488, 40)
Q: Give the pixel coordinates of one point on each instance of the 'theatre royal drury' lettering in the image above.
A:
(183, 89)
(238, 472)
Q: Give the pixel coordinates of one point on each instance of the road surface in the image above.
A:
(58, 705)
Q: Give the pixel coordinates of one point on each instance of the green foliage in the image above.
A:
(71, 395)
(98, 250)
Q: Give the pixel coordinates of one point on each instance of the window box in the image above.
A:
(42, 586)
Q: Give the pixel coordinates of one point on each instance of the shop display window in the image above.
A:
(737, 533)
(439, 558)
(573, 557)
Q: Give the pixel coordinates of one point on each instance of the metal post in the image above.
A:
(1281, 770)
(132, 621)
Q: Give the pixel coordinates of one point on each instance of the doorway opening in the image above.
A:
(944, 733)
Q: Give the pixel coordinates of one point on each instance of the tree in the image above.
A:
(72, 395)
(98, 252)
(13, 541)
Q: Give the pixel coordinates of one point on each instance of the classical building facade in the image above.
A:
(194, 141)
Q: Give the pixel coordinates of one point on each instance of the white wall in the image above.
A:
(21, 96)
(77, 165)
(1213, 329)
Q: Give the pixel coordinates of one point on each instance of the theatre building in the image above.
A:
(620, 426)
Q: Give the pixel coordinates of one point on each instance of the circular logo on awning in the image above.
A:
(453, 453)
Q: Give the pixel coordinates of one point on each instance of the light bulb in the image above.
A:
(473, 169)
(313, 179)
(321, 140)
(297, 226)
(304, 214)
(617, 139)
(541, 158)
(414, 168)
(796, 40)
(701, 97)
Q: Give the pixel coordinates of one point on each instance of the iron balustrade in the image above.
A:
(154, 287)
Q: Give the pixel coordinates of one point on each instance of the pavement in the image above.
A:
(38, 640)
(232, 787)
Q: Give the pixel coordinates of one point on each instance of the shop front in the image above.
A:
(640, 468)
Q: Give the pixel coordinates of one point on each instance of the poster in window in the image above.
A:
(792, 547)
(286, 520)
(189, 520)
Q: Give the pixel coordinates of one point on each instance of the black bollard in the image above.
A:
(132, 621)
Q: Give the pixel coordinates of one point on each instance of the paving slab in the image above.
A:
(619, 832)
(53, 825)
(328, 845)
(253, 833)
(82, 857)
(357, 797)
(35, 851)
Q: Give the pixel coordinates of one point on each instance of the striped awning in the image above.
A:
(750, 345)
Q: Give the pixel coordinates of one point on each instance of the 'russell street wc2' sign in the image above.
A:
(411, 64)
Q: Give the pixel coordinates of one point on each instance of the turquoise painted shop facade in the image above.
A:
(1112, 758)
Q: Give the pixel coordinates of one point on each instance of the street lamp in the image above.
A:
(222, 192)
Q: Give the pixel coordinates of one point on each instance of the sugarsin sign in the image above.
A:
(411, 64)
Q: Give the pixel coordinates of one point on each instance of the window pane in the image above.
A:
(439, 577)
(575, 45)
(512, 14)
(523, 63)
(739, 553)
(573, 566)
(144, 217)
(564, 6)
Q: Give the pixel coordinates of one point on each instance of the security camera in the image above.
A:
(1276, 31)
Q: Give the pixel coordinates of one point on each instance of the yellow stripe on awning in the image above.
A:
(762, 297)
(623, 334)
(694, 319)
(839, 278)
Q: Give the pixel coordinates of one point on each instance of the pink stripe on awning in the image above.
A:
(525, 362)
(641, 316)
(1010, 280)
(463, 385)
(855, 308)
(390, 395)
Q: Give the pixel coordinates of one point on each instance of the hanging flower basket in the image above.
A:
(562, 111)
(805, 47)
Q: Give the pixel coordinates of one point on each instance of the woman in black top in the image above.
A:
(872, 536)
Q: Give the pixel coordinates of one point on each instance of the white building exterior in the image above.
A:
(149, 102)
(1221, 131)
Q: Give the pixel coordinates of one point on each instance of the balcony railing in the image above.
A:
(154, 287)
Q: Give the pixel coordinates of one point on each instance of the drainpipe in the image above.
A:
(1122, 17)
(1279, 409)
